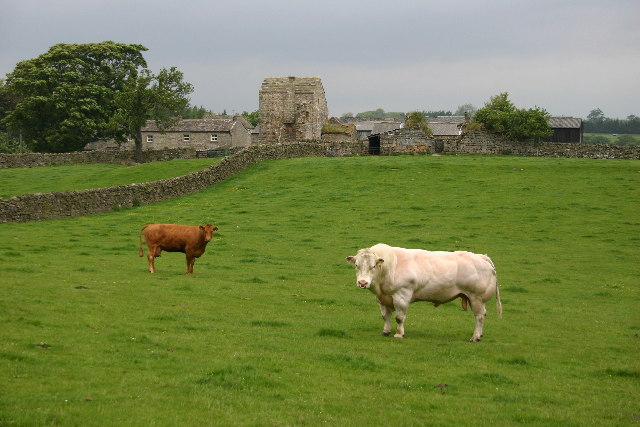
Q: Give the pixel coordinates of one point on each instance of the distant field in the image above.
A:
(272, 330)
(18, 181)
(607, 138)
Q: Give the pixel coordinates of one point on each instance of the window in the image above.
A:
(185, 137)
(214, 138)
(149, 138)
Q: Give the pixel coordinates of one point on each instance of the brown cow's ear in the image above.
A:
(215, 228)
(351, 260)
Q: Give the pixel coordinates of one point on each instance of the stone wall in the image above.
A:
(40, 206)
(28, 160)
(412, 141)
(406, 141)
(478, 142)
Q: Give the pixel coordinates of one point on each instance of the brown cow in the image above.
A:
(189, 239)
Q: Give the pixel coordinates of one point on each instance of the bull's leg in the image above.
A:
(401, 303)
(386, 315)
(479, 311)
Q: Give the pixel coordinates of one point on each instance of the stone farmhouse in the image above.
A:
(201, 134)
(208, 133)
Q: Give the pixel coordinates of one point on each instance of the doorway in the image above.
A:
(374, 145)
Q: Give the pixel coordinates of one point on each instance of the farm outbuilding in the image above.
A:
(566, 129)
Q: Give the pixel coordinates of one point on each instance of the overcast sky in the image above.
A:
(566, 56)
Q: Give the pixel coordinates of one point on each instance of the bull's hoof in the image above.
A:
(474, 339)
(385, 334)
(398, 336)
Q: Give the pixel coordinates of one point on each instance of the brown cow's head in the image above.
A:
(367, 266)
(208, 231)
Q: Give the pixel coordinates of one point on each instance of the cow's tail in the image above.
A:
(140, 251)
(498, 301)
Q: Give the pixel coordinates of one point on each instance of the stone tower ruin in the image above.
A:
(291, 109)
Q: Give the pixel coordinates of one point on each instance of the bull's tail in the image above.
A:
(498, 301)
(140, 251)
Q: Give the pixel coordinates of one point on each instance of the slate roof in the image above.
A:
(444, 129)
(445, 125)
(376, 127)
(218, 124)
(564, 123)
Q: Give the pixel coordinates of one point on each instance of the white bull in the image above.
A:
(401, 276)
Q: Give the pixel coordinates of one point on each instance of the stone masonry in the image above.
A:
(291, 109)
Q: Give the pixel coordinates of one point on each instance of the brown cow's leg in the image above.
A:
(190, 261)
(151, 254)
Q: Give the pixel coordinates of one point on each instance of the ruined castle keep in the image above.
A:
(291, 109)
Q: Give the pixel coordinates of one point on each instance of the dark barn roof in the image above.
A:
(564, 122)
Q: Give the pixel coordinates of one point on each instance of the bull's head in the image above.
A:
(208, 231)
(367, 265)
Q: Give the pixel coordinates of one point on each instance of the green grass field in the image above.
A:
(19, 181)
(272, 330)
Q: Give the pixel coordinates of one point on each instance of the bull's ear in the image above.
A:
(379, 261)
(351, 260)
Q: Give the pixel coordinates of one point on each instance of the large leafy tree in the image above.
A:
(64, 98)
(76, 93)
(501, 116)
(160, 97)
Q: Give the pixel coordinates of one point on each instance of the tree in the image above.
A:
(466, 109)
(79, 93)
(192, 112)
(500, 116)
(64, 98)
(8, 143)
(439, 113)
(380, 114)
(162, 98)
(596, 115)
(596, 122)
(253, 118)
(418, 119)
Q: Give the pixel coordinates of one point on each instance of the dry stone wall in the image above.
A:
(485, 143)
(29, 160)
(412, 141)
(40, 206)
